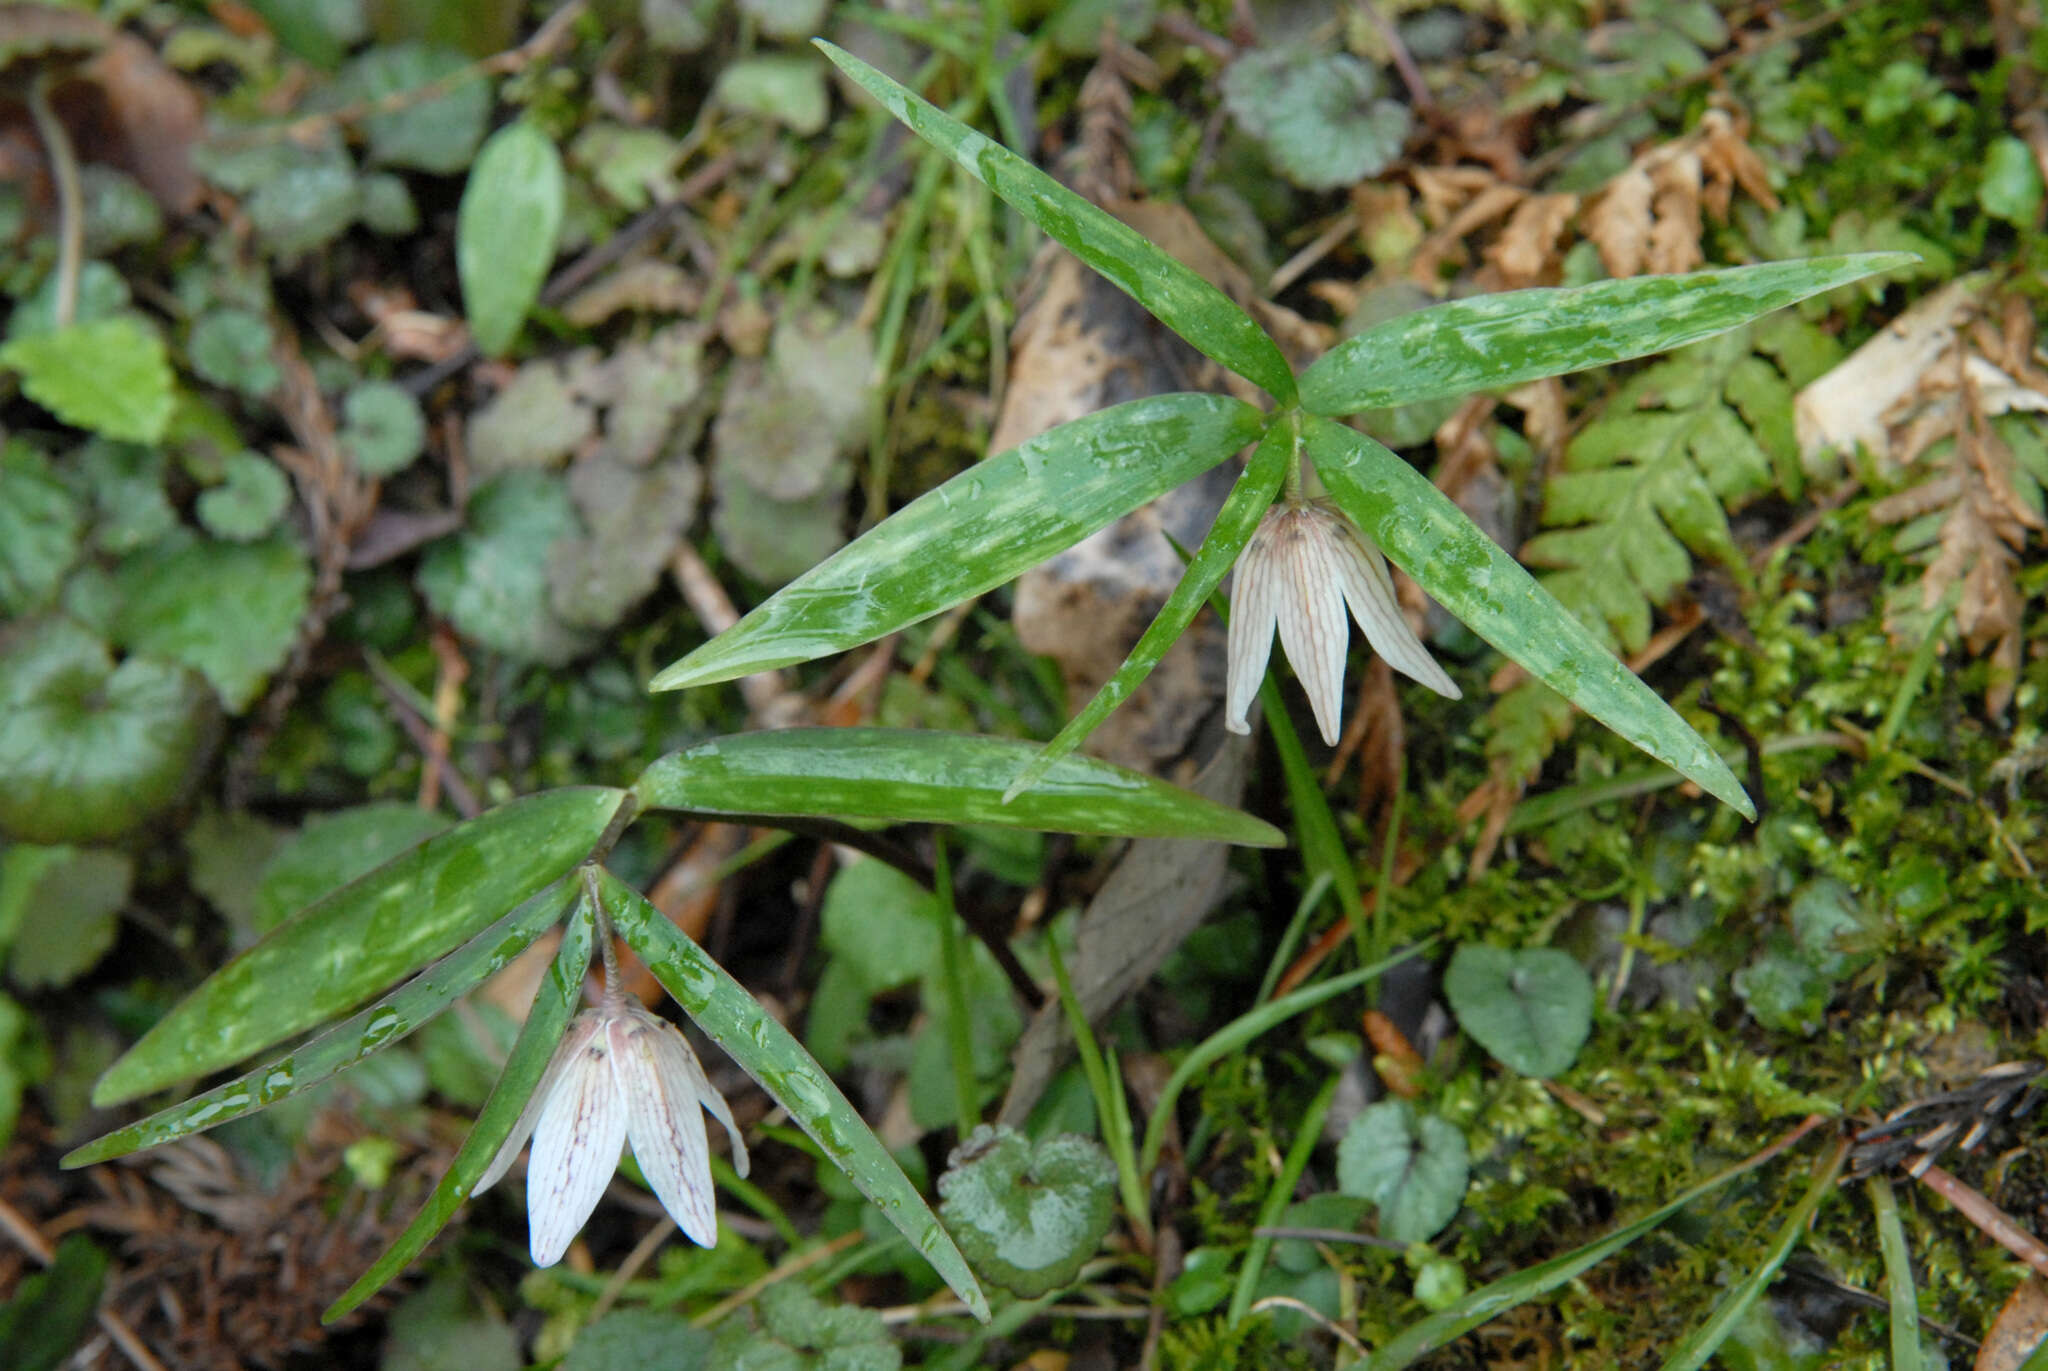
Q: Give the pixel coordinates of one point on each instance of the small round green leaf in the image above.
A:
(1532, 1008)
(232, 349)
(172, 597)
(59, 905)
(1027, 1217)
(382, 428)
(438, 134)
(1319, 115)
(90, 751)
(40, 526)
(506, 231)
(2011, 189)
(491, 580)
(249, 502)
(1413, 1166)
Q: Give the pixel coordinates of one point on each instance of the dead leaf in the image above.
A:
(148, 119)
(1157, 894)
(1846, 408)
(1619, 221)
(1527, 252)
(1674, 244)
(2019, 1328)
(1729, 161)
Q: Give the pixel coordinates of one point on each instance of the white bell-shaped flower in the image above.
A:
(620, 1074)
(1303, 565)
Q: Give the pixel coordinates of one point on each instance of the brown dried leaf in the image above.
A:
(1729, 161)
(1619, 221)
(1674, 244)
(2019, 1328)
(1527, 252)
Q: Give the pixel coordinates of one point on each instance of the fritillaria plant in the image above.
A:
(1016, 509)
(439, 920)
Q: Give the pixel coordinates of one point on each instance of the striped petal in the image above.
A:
(1256, 593)
(573, 1042)
(1313, 627)
(1369, 590)
(658, 1078)
(575, 1150)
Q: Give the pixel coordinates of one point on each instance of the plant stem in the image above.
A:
(70, 199)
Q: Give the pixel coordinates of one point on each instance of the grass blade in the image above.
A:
(1171, 293)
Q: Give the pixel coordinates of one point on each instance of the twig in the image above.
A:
(70, 199)
(1992, 1221)
(1404, 61)
(1314, 1315)
(1330, 1235)
(642, 1252)
(422, 734)
(17, 1227)
(800, 1262)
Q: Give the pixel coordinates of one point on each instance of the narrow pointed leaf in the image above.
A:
(556, 1002)
(1491, 342)
(901, 775)
(340, 950)
(978, 530)
(1430, 538)
(1700, 1345)
(734, 1020)
(1490, 1301)
(1246, 504)
(1174, 295)
(390, 1020)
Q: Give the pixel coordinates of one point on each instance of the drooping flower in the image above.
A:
(620, 1074)
(1303, 565)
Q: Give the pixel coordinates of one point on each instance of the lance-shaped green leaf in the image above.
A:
(1174, 295)
(1701, 1344)
(554, 1004)
(734, 1020)
(978, 530)
(338, 951)
(903, 775)
(1490, 1301)
(1491, 342)
(1248, 500)
(388, 1021)
(1430, 538)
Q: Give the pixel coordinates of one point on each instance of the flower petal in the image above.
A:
(1369, 589)
(573, 1042)
(1256, 593)
(575, 1151)
(659, 1079)
(1313, 627)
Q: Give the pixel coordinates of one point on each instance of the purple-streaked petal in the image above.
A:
(1313, 627)
(1369, 589)
(1256, 593)
(575, 1150)
(573, 1042)
(657, 1076)
(722, 1111)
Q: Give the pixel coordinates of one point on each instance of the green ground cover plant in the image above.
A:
(334, 673)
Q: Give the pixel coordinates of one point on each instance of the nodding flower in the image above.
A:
(621, 1074)
(1304, 564)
